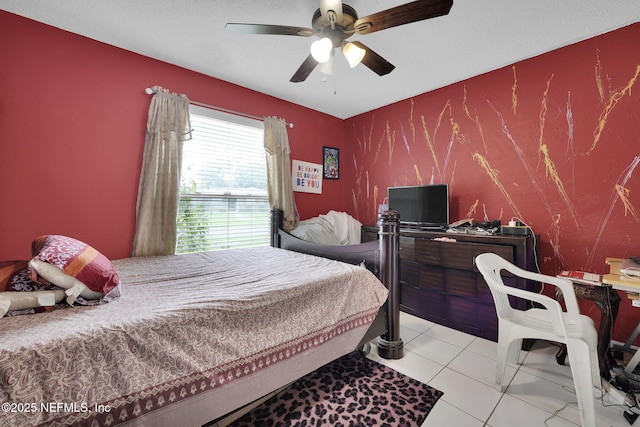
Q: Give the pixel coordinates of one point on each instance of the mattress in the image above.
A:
(184, 325)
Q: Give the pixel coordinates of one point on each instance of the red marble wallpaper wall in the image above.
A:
(554, 141)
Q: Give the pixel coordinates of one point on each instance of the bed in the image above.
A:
(381, 257)
(175, 350)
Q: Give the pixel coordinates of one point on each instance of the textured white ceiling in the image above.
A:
(476, 37)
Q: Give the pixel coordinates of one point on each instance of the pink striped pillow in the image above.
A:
(76, 259)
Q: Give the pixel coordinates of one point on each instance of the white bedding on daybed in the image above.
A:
(334, 228)
(185, 326)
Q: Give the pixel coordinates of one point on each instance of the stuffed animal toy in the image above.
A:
(11, 300)
(19, 292)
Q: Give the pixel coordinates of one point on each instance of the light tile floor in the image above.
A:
(463, 367)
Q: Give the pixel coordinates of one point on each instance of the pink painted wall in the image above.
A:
(72, 122)
(554, 140)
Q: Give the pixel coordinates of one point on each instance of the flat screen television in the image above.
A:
(426, 206)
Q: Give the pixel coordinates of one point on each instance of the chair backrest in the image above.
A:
(491, 266)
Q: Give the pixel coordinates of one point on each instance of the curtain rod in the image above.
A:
(150, 91)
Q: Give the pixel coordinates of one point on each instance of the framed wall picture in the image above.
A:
(331, 162)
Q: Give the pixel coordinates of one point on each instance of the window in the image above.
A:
(223, 189)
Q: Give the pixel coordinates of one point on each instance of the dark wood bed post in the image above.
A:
(276, 220)
(390, 345)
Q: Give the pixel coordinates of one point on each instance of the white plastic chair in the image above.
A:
(570, 327)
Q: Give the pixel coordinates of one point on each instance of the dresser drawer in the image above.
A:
(422, 276)
(427, 251)
(461, 282)
(424, 304)
(457, 255)
(407, 248)
(505, 251)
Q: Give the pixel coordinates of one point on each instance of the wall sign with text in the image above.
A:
(307, 177)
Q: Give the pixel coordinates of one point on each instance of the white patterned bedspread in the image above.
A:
(184, 324)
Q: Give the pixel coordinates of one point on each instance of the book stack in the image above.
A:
(583, 277)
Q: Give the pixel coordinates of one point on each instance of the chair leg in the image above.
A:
(501, 361)
(595, 370)
(514, 352)
(580, 361)
(508, 352)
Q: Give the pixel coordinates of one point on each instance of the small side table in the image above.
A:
(631, 286)
(608, 301)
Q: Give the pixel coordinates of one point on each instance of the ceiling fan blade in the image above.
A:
(403, 14)
(375, 62)
(305, 69)
(281, 30)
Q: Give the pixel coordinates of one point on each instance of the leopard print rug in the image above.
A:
(350, 391)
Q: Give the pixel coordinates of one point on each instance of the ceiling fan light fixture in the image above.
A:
(327, 67)
(321, 49)
(353, 53)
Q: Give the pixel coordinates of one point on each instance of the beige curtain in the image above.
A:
(158, 192)
(276, 145)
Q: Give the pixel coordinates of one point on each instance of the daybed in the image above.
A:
(380, 257)
(192, 338)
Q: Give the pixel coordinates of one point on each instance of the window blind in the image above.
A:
(223, 190)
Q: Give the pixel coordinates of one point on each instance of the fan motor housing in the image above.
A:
(343, 29)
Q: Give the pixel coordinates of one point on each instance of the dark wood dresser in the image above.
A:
(439, 281)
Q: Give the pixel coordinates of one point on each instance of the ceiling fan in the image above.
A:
(334, 22)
